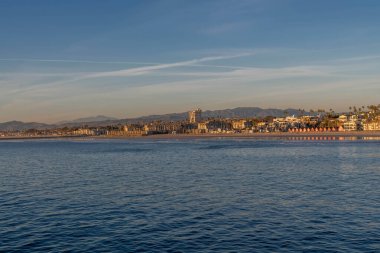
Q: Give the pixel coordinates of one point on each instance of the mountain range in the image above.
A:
(239, 112)
(18, 125)
(88, 119)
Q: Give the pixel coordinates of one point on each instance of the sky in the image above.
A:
(62, 60)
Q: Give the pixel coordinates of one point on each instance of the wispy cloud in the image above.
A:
(148, 69)
(359, 58)
(255, 74)
(191, 62)
(135, 71)
(75, 61)
(240, 73)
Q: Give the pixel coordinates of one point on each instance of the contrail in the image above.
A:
(76, 61)
(147, 69)
(134, 71)
(130, 62)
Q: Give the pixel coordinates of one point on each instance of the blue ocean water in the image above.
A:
(210, 195)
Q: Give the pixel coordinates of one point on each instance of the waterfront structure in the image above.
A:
(195, 116)
(239, 124)
(202, 126)
(367, 121)
(371, 126)
(84, 131)
(164, 127)
(219, 126)
(115, 132)
(350, 126)
(342, 118)
(134, 130)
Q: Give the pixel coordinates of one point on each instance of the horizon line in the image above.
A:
(162, 114)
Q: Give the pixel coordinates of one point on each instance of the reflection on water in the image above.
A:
(333, 138)
(315, 194)
(377, 138)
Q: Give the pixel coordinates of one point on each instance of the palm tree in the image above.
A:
(350, 110)
(372, 108)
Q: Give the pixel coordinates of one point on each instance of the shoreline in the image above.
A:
(360, 134)
(7, 138)
(249, 136)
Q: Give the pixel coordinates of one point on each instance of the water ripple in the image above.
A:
(190, 196)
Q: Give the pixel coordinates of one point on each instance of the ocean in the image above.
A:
(190, 195)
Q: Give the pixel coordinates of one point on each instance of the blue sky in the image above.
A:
(66, 59)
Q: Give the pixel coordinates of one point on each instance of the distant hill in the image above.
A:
(88, 119)
(240, 112)
(249, 112)
(18, 125)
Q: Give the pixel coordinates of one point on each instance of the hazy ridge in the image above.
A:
(239, 112)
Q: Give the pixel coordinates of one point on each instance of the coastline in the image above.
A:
(320, 135)
(249, 136)
(42, 137)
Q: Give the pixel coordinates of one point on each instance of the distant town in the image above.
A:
(365, 118)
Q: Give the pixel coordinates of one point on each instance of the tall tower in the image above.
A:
(195, 116)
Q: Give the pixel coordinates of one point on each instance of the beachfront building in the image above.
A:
(284, 124)
(371, 126)
(350, 126)
(202, 127)
(261, 127)
(155, 128)
(292, 119)
(84, 131)
(332, 123)
(307, 122)
(115, 132)
(219, 126)
(279, 124)
(239, 124)
(342, 118)
(134, 130)
(195, 116)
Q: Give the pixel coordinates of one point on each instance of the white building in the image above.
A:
(350, 126)
(371, 126)
(342, 118)
(195, 116)
(84, 131)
